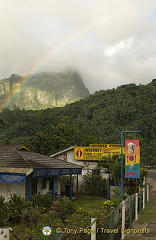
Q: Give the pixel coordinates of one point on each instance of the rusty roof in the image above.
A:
(18, 156)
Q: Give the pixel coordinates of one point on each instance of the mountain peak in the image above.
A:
(42, 90)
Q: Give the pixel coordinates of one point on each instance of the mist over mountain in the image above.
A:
(42, 90)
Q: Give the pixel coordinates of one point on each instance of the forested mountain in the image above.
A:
(97, 119)
(42, 90)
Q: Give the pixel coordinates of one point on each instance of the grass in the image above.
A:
(82, 201)
(149, 213)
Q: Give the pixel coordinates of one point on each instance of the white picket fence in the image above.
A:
(122, 211)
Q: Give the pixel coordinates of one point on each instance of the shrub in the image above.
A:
(67, 207)
(3, 212)
(31, 215)
(94, 185)
(15, 207)
(114, 202)
(43, 202)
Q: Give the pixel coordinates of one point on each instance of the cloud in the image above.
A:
(109, 42)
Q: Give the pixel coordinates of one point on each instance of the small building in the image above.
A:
(26, 173)
(87, 166)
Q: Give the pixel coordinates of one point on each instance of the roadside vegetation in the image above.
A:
(98, 118)
(27, 218)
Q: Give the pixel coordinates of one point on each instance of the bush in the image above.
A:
(3, 212)
(94, 185)
(67, 207)
(15, 206)
(43, 202)
(114, 202)
(31, 215)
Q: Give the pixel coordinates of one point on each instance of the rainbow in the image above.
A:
(42, 62)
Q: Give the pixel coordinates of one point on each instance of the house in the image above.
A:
(67, 155)
(26, 173)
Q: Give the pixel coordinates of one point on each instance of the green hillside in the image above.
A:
(96, 119)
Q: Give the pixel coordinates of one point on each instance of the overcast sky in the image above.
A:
(110, 42)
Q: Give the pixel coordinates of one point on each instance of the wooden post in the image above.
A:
(143, 191)
(123, 220)
(136, 206)
(53, 187)
(130, 213)
(112, 223)
(93, 229)
(147, 192)
(29, 187)
(140, 202)
(109, 187)
(4, 233)
(77, 185)
(70, 189)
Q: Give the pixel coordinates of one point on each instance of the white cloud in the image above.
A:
(109, 42)
(125, 44)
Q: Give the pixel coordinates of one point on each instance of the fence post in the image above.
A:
(112, 223)
(140, 202)
(130, 212)
(4, 233)
(93, 229)
(123, 220)
(136, 206)
(143, 193)
(147, 192)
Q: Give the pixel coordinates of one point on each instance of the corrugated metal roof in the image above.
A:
(17, 156)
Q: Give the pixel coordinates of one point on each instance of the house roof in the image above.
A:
(25, 171)
(18, 156)
(63, 151)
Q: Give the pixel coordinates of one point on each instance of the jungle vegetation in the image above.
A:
(98, 118)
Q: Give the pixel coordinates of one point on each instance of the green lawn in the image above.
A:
(82, 201)
(149, 213)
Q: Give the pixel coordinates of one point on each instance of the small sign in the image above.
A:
(132, 158)
(46, 231)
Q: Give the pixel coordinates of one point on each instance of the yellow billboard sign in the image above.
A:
(87, 153)
(96, 151)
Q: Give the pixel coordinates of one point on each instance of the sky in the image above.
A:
(109, 42)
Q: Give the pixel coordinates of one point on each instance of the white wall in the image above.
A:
(3, 190)
(19, 189)
(12, 188)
